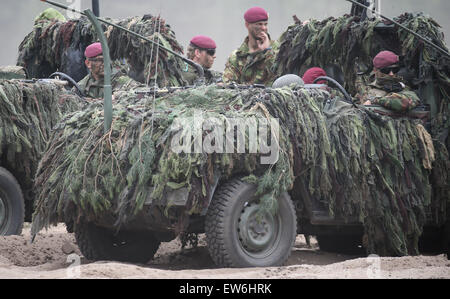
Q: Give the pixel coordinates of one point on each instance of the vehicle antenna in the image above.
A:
(147, 81)
(156, 77)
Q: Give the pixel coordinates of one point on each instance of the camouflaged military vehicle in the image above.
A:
(11, 198)
(253, 166)
(29, 109)
(32, 101)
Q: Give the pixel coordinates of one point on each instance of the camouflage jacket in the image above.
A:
(94, 89)
(399, 101)
(244, 67)
(90, 87)
(190, 75)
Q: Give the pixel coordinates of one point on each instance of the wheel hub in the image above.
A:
(256, 230)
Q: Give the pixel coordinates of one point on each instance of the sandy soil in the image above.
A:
(54, 254)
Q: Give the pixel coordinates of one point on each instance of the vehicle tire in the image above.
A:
(446, 239)
(447, 247)
(234, 236)
(98, 243)
(432, 240)
(341, 243)
(69, 227)
(12, 206)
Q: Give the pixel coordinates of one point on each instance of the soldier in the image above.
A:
(387, 90)
(312, 74)
(202, 50)
(252, 62)
(315, 72)
(92, 84)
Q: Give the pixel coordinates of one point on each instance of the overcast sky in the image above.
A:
(220, 19)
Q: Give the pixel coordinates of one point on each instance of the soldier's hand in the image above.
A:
(394, 87)
(263, 41)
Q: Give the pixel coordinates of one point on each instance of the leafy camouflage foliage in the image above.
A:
(386, 172)
(28, 112)
(359, 164)
(56, 45)
(111, 173)
(351, 44)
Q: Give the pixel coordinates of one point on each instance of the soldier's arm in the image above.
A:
(267, 73)
(231, 72)
(398, 101)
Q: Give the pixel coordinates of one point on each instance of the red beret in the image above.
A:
(311, 74)
(203, 42)
(93, 50)
(384, 59)
(256, 14)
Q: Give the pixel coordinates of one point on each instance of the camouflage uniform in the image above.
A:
(91, 88)
(190, 75)
(400, 101)
(244, 67)
(94, 89)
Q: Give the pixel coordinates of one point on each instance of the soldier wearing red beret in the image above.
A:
(387, 90)
(252, 62)
(202, 50)
(92, 84)
(312, 74)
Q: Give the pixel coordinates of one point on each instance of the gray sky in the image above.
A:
(220, 19)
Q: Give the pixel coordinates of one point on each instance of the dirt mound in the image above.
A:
(54, 254)
(50, 246)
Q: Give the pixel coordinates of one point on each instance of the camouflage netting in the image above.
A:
(351, 44)
(381, 171)
(140, 159)
(28, 111)
(359, 164)
(56, 45)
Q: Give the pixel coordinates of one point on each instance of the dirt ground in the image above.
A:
(54, 254)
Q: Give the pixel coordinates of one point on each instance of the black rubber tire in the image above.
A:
(69, 227)
(448, 250)
(432, 241)
(341, 243)
(446, 238)
(224, 236)
(98, 243)
(12, 206)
